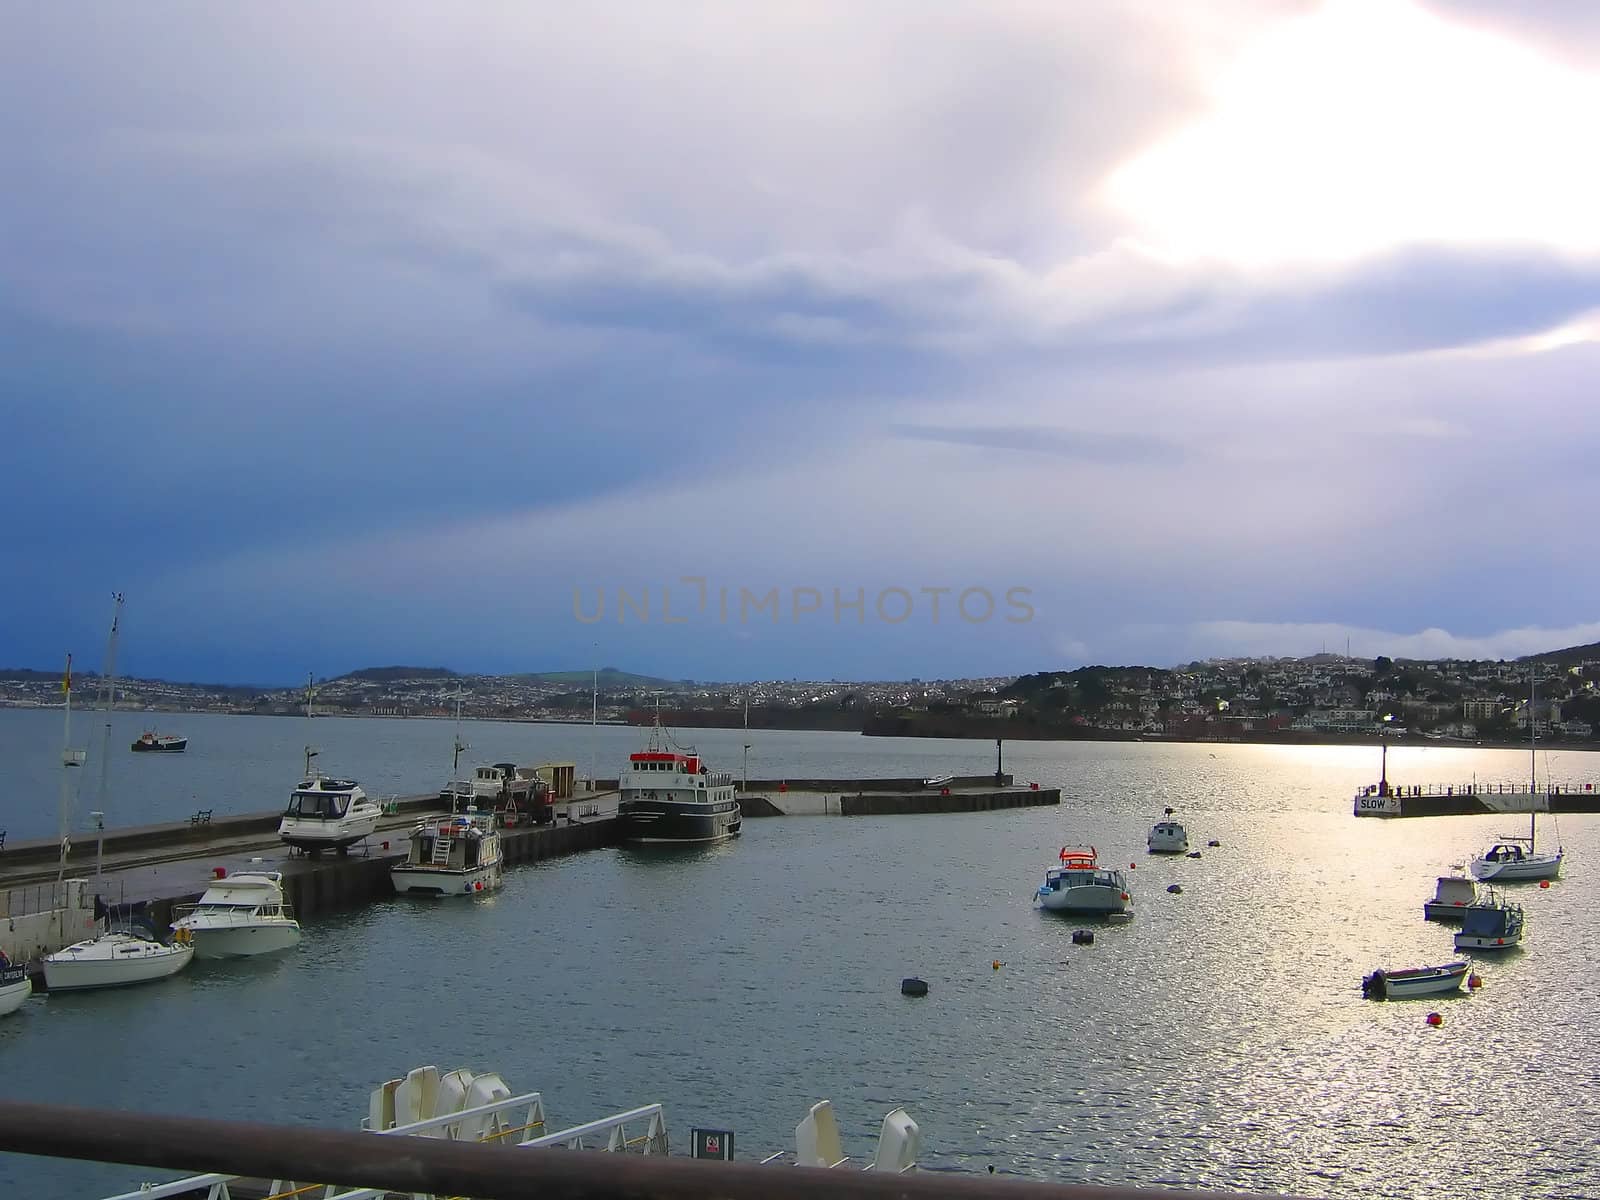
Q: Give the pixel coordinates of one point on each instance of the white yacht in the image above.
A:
(1509, 859)
(457, 855)
(1168, 836)
(15, 986)
(238, 916)
(1081, 885)
(328, 814)
(115, 960)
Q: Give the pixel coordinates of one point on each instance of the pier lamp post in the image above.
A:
(999, 762)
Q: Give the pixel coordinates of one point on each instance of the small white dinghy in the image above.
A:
(1414, 981)
(115, 960)
(817, 1143)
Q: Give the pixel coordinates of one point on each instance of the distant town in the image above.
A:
(1324, 697)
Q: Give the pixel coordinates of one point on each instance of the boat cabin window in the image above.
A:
(322, 805)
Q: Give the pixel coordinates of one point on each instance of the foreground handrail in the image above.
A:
(429, 1165)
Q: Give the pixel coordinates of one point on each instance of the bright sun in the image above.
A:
(1369, 125)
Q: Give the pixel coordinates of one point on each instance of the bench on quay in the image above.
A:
(203, 817)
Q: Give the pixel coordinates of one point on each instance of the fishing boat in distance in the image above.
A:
(1168, 836)
(1081, 885)
(1414, 981)
(151, 742)
(666, 796)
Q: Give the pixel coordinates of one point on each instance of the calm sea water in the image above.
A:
(1217, 1040)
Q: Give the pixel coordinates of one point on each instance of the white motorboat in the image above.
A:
(115, 960)
(1414, 981)
(456, 855)
(1452, 895)
(1508, 859)
(1490, 924)
(15, 986)
(1168, 836)
(1081, 885)
(239, 916)
(328, 814)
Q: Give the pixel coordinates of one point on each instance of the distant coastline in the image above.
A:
(954, 728)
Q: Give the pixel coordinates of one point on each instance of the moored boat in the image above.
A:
(15, 986)
(1168, 836)
(1081, 885)
(1490, 924)
(115, 960)
(1508, 859)
(151, 742)
(1452, 896)
(455, 855)
(665, 796)
(239, 916)
(1414, 981)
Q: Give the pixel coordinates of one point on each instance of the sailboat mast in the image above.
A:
(311, 678)
(455, 762)
(69, 760)
(108, 699)
(744, 774)
(1533, 760)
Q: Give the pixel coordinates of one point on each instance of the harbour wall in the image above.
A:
(1467, 804)
(880, 804)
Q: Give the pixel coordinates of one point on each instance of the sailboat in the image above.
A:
(109, 959)
(1509, 859)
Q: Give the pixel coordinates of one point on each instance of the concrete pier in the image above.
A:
(872, 801)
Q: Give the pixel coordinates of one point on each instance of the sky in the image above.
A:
(512, 337)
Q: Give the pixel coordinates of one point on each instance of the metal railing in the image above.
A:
(433, 1166)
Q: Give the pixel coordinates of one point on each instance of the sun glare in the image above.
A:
(1369, 125)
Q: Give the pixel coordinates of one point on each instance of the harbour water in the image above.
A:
(1217, 1040)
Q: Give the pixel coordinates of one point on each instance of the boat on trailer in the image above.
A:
(328, 814)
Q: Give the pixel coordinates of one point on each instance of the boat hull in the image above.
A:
(670, 822)
(1093, 900)
(177, 746)
(311, 835)
(1479, 941)
(67, 972)
(244, 941)
(15, 988)
(1425, 981)
(1527, 870)
(434, 881)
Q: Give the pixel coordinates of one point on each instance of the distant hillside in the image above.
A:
(1568, 657)
(610, 677)
(390, 674)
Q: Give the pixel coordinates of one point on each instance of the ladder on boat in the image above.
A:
(441, 851)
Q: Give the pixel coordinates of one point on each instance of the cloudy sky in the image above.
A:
(401, 332)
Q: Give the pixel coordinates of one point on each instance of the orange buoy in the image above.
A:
(995, 964)
(1435, 1019)
(1474, 981)
(1544, 883)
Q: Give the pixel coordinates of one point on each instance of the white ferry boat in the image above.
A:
(456, 855)
(667, 797)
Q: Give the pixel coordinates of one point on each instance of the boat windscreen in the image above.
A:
(1483, 922)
